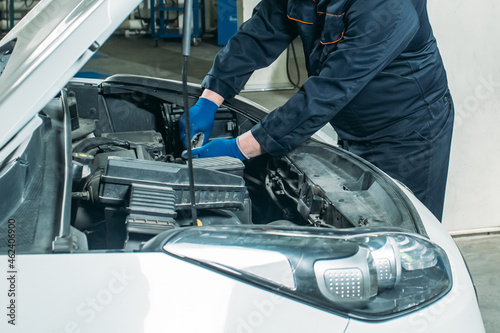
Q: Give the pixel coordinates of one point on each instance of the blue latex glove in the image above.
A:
(201, 116)
(219, 147)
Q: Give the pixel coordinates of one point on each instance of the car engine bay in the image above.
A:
(129, 181)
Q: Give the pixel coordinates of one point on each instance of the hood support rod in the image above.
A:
(186, 50)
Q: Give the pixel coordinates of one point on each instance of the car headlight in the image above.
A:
(371, 275)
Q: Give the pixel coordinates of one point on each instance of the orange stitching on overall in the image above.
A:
(338, 40)
(294, 19)
(331, 14)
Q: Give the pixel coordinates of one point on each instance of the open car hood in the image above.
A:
(46, 49)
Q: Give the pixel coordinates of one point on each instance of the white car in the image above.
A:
(96, 233)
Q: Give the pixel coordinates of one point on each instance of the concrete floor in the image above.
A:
(137, 55)
(482, 254)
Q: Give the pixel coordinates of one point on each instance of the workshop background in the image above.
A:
(148, 43)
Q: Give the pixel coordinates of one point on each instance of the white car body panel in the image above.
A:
(53, 43)
(148, 292)
(154, 292)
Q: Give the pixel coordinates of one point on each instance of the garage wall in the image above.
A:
(468, 35)
(273, 77)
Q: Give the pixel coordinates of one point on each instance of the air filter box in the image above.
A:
(221, 163)
(213, 189)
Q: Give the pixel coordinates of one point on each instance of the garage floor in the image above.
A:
(137, 55)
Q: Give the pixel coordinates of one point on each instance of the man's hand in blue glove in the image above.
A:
(201, 116)
(219, 147)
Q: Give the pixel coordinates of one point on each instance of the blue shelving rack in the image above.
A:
(159, 9)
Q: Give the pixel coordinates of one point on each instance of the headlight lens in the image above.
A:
(366, 275)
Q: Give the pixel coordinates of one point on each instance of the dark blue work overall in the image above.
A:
(375, 73)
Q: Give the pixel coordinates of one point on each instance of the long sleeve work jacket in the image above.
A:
(374, 68)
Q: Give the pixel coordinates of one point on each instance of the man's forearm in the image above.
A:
(212, 96)
(248, 146)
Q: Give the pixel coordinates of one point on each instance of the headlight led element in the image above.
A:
(351, 280)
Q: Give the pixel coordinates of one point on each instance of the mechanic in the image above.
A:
(375, 73)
